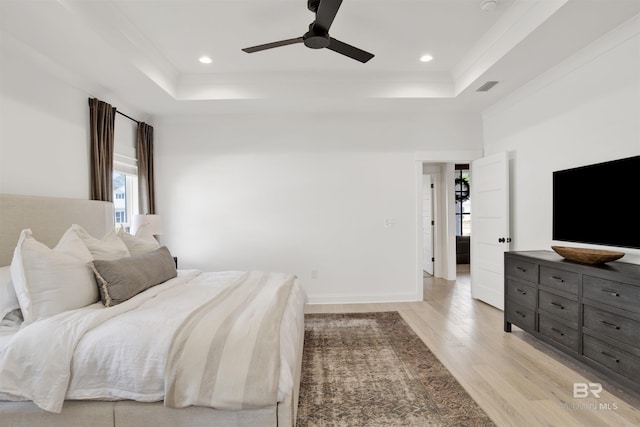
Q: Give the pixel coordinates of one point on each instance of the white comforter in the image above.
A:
(121, 352)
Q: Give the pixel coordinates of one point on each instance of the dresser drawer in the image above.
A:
(612, 325)
(521, 293)
(620, 361)
(559, 306)
(522, 269)
(559, 332)
(621, 295)
(562, 280)
(521, 316)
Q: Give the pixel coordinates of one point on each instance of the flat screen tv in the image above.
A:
(597, 203)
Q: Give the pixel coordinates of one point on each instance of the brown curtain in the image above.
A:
(101, 125)
(146, 188)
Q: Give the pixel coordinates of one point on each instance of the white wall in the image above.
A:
(300, 193)
(43, 133)
(44, 120)
(584, 111)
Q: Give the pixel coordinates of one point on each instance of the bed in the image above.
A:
(100, 374)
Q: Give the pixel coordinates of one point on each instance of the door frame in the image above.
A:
(443, 249)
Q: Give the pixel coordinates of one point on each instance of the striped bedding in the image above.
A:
(226, 354)
(131, 350)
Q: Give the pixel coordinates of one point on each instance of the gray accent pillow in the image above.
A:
(121, 279)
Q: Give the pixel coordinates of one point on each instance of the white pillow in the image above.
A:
(51, 281)
(8, 297)
(142, 243)
(110, 247)
(71, 243)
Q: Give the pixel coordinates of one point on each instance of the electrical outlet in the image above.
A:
(314, 274)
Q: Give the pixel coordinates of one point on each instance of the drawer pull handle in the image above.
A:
(610, 356)
(610, 292)
(610, 324)
(558, 331)
(555, 304)
(520, 313)
(557, 279)
(523, 270)
(521, 291)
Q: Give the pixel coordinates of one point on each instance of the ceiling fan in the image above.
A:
(318, 35)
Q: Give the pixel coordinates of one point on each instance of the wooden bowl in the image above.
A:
(587, 256)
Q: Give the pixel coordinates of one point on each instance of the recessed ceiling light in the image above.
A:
(488, 5)
(205, 59)
(426, 58)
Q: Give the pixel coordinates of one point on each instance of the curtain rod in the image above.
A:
(130, 118)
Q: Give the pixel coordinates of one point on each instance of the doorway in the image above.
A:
(437, 221)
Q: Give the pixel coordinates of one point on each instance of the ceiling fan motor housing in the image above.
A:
(316, 38)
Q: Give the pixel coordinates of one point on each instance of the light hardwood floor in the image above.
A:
(514, 378)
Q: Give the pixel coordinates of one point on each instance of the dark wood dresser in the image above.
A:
(591, 312)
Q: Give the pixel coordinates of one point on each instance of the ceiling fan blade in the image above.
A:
(326, 13)
(350, 51)
(272, 45)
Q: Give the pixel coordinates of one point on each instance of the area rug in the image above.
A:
(371, 369)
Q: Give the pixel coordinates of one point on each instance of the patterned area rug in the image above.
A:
(371, 369)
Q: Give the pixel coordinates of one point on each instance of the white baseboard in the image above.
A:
(362, 299)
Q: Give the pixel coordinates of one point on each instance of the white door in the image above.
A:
(490, 219)
(427, 224)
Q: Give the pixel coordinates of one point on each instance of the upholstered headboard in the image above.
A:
(48, 218)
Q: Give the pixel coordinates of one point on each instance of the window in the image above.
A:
(121, 217)
(463, 201)
(125, 198)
